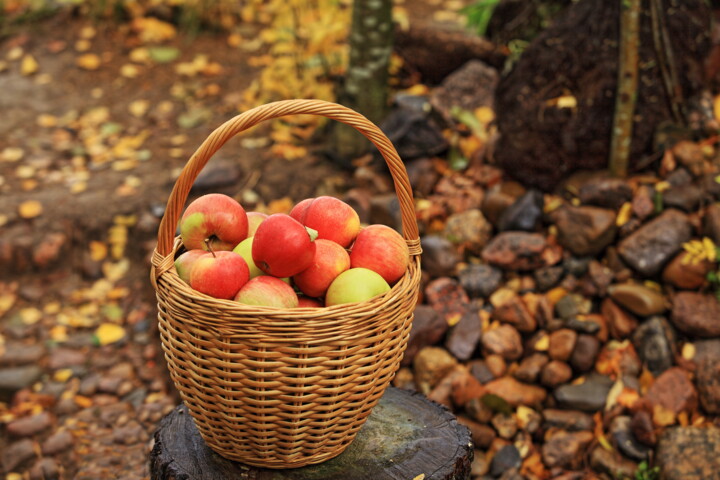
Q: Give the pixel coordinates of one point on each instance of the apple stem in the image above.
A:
(312, 232)
(209, 246)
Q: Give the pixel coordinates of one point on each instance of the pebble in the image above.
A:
(45, 469)
(654, 341)
(464, 337)
(428, 328)
(571, 420)
(601, 277)
(639, 299)
(649, 248)
(508, 457)
(28, 426)
(623, 438)
(686, 275)
(17, 453)
(482, 435)
(16, 353)
(674, 391)
(566, 449)
(503, 340)
(707, 378)
(516, 393)
(642, 427)
(562, 344)
(496, 364)
(605, 192)
(612, 463)
(431, 364)
(583, 230)
(589, 396)
(13, 379)
(57, 442)
(469, 230)
(619, 322)
(690, 155)
(440, 257)
(480, 370)
(64, 358)
(585, 352)
(448, 298)
(422, 175)
(505, 425)
(530, 367)
(480, 465)
(517, 251)
(555, 373)
(479, 411)
(696, 314)
(511, 309)
(689, 453)
(572, 305)
(480, 280)
(642, 203)
(222, 173)
(525, 214)
(684, 197)
(711, 222)
(498, 198)
(548, 277)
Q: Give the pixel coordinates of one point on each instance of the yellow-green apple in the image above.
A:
(382, 250)
(308, 302)
(332, 218)
(185, 261)
(330, 260)
(244, 249)
(282, 246)
(219, 274)
(300, 208)
(215, 217)
(267, 291)
(254, 220)
(355, 285)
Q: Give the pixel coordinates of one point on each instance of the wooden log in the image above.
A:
(405, 437)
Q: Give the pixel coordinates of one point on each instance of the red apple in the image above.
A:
(267, 291)
(382, 250)
(333, 219)
(330, 261)
(216, 217)
(355, 285)
(282, 246)
(299, 210)
(184, 263)
(307, 302)
(219, 274)
(254, 220)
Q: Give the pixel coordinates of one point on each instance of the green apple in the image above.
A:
(355, 285)
(244, 249)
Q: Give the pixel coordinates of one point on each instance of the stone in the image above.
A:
(707, 378)
(448, 298)
(62, 357)
(571, 420)
(619, 322)
(28, 426)
(516, 393)
(45, 469)
(217, 174)
(469, 87)
(481, 371)
(686, 275)
(684, 197)
(468, 230)
(480, 280)
(566, 449)
(423, 175)
(505, 425)
(605, 192)
(503, 340)
(639, 299)
(464, 336)
(555, 373)
(431, 364)
(13, 379)
(589, 396)
(623, 438)
(649, 248)
(482, 435)
(696, 314)
(654, 341)
(511, 309)
(17, 453)
(530, 367)
(517, 251)
(674, 391)
(479, 411)
(496, 364)
(585, 231)
(643, 428)
(499, 197)
(601, 277)
(440, 257)
(585, 352)
(16, 353)
(428, 328)
(548, 277)
(562, 344)
(480, 465)
(618, 358)
(612, 463)
(711, 222)
(525, 214)
(689, 453)
(50, 249)
(690, 155)
(508, 457)
(642, 202)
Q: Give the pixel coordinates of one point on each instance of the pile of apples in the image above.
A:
(318, 255)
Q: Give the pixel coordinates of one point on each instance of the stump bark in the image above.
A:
(406, 436)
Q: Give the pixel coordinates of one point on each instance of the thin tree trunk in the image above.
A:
(627, 87)
(366, 81)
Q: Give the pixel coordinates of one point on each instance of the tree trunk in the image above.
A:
(365, 88)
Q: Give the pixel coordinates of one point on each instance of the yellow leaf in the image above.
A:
(564, 101)
(129, 71)
(139, 108)
(624, 214)
(140, 55)
(88, 32)
(89, 61)
(29, 65)
(14, 54)
(83, 402)
(115, 271)
(543, 343)
(59, 333)
(63, 375)
(30, 209)
(710, 249)
(98, 251)
(484, 115)
(13, 476)
(7, 300)
(419, 477)
(25, 171)
(46, 120)
(51, 308)
(688, 351)
(151, 29)
(716, 106)
(12, 154)
(552, 203)
(108, 333)
(234, 40)
(30, 315)
(663, 417)
(662, 186)
(82, 45)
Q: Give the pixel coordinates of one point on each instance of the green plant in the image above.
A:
(479, 14)
(645, 472)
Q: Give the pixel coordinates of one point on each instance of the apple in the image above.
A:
(219, 274)
(307, 302)
(382, 250)
(244, 249)
(282, 246)
(332, 218)
(299, 210)
(267, 291)
(254, 220)
(355, 285)
(216, 217)
(185, 261)
(330, 260)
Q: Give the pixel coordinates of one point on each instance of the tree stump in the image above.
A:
(406, 437)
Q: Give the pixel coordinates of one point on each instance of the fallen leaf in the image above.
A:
(115, 271)
(108, 333)
(12, 154)
(30, 209)
(153, 30)
(29, 65)
(46, 120)
(89, 61)
(30, 315)
(14, 54)
(58, 333)
(688, 351)
(82, 45)
(624, 214)
(98, 251)
(139, 108)
(88, 32)
(129, 71)
(63, 375)
(163, 54)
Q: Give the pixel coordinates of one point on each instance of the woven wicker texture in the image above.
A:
(281, 388)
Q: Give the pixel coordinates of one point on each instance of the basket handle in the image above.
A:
(250, 118)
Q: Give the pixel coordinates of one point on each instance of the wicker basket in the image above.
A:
(281, 388)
